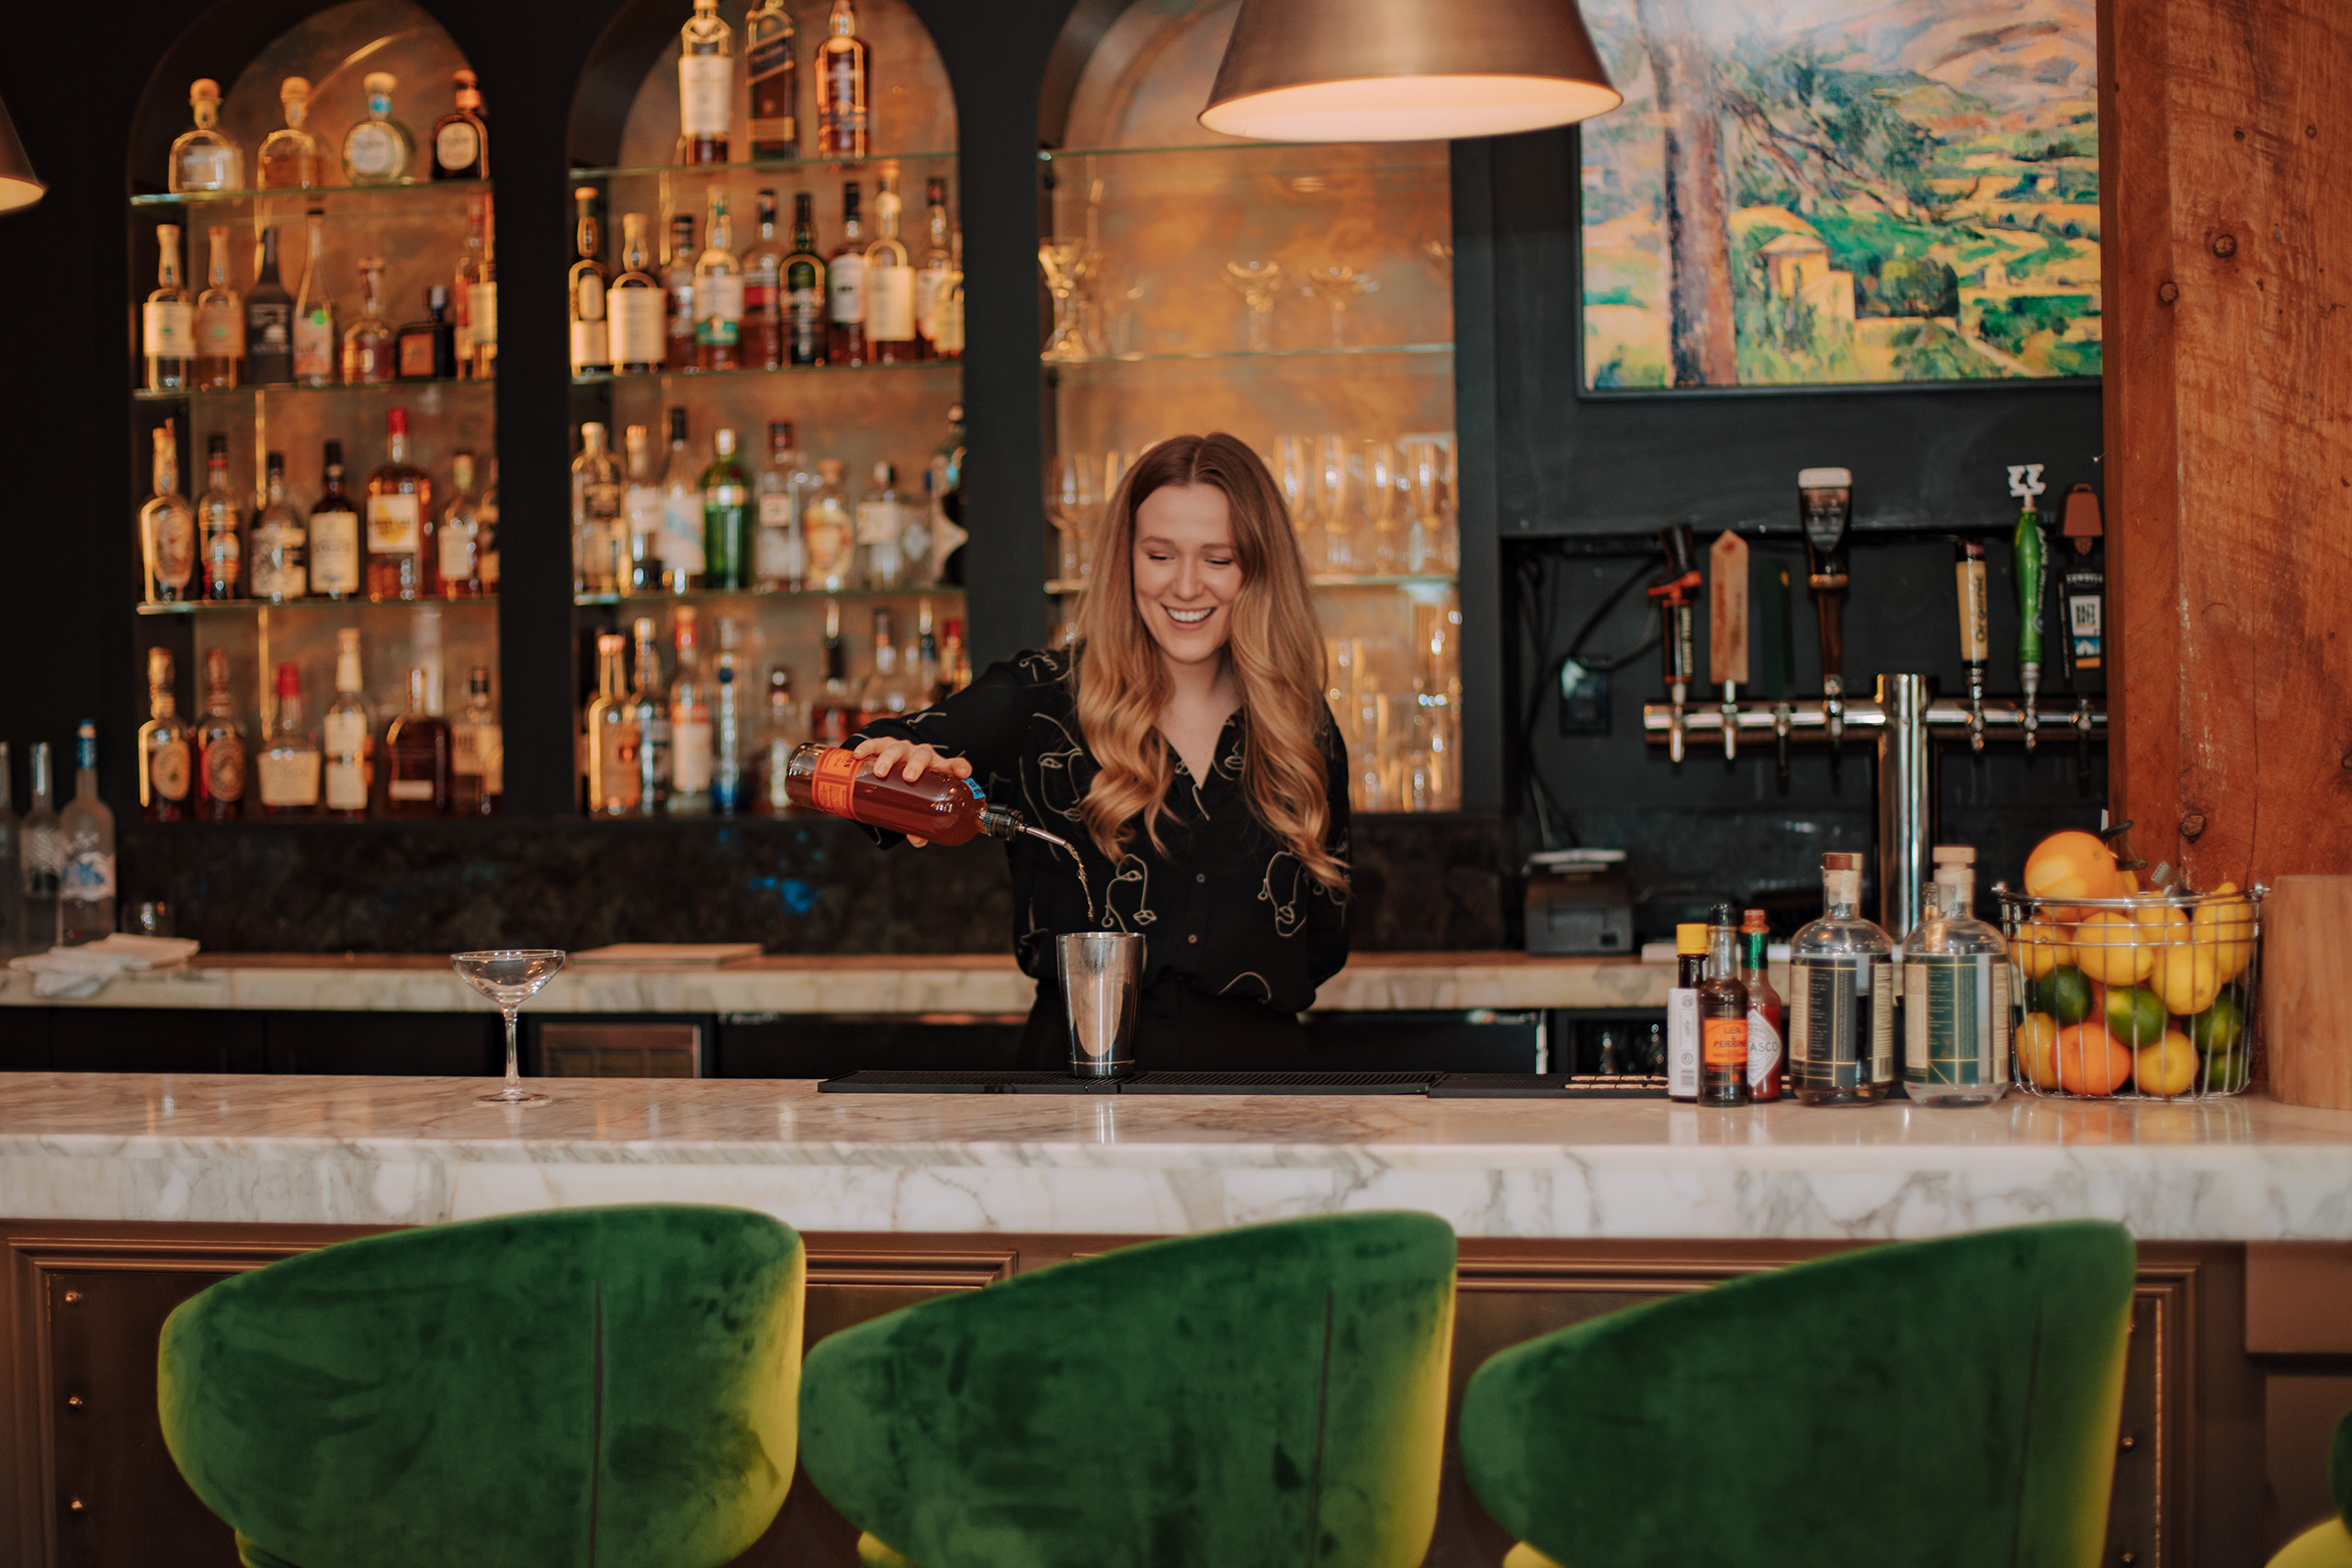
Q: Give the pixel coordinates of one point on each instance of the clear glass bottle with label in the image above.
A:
(682, 522)
(281, 568)
(845, 285)
(220, 534)
(459, 543)
(288, 765)
(166, 761)
(718, 293)
(336, 565)
(726, 518)
(219, 322)
(591, 342)
(167, 321)
(346, 738)
(42, 842)
(691, 754)
(636, 306)
(478, 757)
(1955, 994)
(1723, 1015)
(641, 513)
(649, 703)
(202, 158)
(780, 735)
(780, 560)
(86, 893)
(1841, 1007)
(316, 344)
(598, 541)
(402, 528)
(167, 525)
(220, 747)
(881, 526)
(288, 159)
(705, 85)
(1682, 1033)
(419, 779)
(614, 784)
(829, 529)
(461, 138)
(727, 720)
(367, 344)
(378, 149)
(890, 280)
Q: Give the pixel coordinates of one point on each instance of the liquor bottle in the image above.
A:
(780, 560)
(682, 528)
(726, 518)
(649, 704)
(1955, 994)
(947, 308)
(288, 158)
(12, 869)
(270, 322)
(165, 764)
(844, 122)
(86, 886)
(845, 285)
(379, 151)
(834, 713)
(167, 526)
(638, 306)
(460, 139)
(1764, 1019)
(368, 342)
(938, 807)
(486, 533)
(718, 293)
(1841, 1008)
(203, 159)
(400, 521)
(219, 322)
(460, 534)
(641, 513)
(943, 485)
(678, 283)
(334, 534)
(281, 565)
(591, 346)
(477, 750)
(615, 785)
(1723, 1015)
(597, 542)
(885, 691)
(288, 767)
(469, 270)
(690, 723)
(316, 347)
(828, 530)
(938, 264)
(482, 299)
(805, 311)
(779, 736)
(761, 346)
(167, 321)
(1682, 1033)
(726, 722)
(881, 525)
(427, 349)
(220, 747)
(923, 679)
(705, 85)
(418, 780)
(346, 738)
(220, 526)
(771, 61)
(43, 856)
(954, 661)
(890, 280)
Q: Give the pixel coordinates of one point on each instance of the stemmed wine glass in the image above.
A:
(1261, 283)
(1335, 286)
(1064, 260)
(509, 976)
(1070, 502)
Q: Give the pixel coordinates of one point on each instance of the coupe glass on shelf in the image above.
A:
(1336, 287)
(1064, 262)
(509, 976)
(1261, 283)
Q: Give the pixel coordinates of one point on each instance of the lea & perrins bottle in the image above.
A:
(1723, 1015)
(1683, 1011)
(1841, 1011)
(1764, 1037)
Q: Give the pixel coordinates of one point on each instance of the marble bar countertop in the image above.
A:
(389, 1151)
(964, 983)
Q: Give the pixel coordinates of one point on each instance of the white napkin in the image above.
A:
(77, 972)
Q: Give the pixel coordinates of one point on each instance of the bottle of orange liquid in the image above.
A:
(938, 807)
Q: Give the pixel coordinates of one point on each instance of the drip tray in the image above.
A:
(885, 1080)
(1548, 1086)
(1301, 1082)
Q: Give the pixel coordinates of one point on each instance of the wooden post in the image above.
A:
(2226, 149)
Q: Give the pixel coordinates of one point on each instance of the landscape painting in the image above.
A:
(1822, 193)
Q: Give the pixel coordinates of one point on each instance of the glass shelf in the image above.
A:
(244, 607)
(603, 378)
(296, 390)
(701, 596)
(1415, 580)
(1365, 351)
(411, 189)
(1354, 154)
(817, 165)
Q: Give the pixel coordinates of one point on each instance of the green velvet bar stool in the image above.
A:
(2327, 1545)
(1270, 1397)
(612, 1387)
(1940, 1403)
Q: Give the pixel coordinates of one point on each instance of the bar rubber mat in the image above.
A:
(1297, 1082)
(902, 1080)
(1547, 1086)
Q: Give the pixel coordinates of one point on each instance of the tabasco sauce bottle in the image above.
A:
(1764, 1050)
(1723, 1016)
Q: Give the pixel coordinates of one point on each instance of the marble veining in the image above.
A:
(360, 1150)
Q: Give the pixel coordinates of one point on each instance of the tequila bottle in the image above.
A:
(202, 158)
(289, 766)
(220, 747)
(636, 306)
(167, 321)
(379, 151)
(419, 778)
(86, 886)
(346, 738)
(220, 527)
(770, 60)
(726, 518)
(315, 343)
(219, 322)
(43, 838)
(1841, 1011)
(690, 723)
(1955, 994)
(705, 85)
(648, 706)
(592, 345)
(288, 159)
(844, 118)
(281, 567)
(614, 784)
(167, 526)
(460, 138)
(718, 293)
(367, 345)
(167, 767)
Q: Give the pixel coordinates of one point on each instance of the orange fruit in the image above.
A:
(2115, 949)
(2091, 1061)
(2072, 865)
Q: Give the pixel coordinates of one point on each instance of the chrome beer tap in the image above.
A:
(1728, 630)
(1826, 507)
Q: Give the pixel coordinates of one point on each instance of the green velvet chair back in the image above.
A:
(1272, 1397)
(612, 1387)
(1940, 1404)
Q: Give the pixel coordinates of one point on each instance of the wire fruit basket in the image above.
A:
(2153, 997)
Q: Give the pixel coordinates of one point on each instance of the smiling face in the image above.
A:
(1187, 572)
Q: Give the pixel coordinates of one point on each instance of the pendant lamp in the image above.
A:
(1406, 70)
(19, 186)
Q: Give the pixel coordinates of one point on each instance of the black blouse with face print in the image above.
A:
(1226, 909)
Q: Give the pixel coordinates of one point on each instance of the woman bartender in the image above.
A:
(1182, 745)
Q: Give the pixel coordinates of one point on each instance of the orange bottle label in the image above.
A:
(830, 784)
(1722, 1042)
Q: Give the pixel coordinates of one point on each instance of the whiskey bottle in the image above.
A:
(718, 293)
(281, 568)
(460, 534)
(690, 723)
(427, 349)
(705, 85)
(486, 532)
(938, 264)
(834, 713)
(220, 526)
(166, 765)
(592, 348)
(400, 522)
(649, 706)
(289, 766)
(726, 518)
(845, 121)
(771, 62)
(780, 560)
(203, 159)
(779, 736)
(678, 282)
(1723, 1015)
(802, 280)
(220, 747)
(938, 807)
(828, 530)
(482, 299)
(598, 545)
(418, 776)
(477, 754)
(761, 346)
(642, 515)
(845, 285)
(682, 522)
(726, 721)
(1683, 1036)
(315, 343)
(335, 562)
(379, 151)
(288, 158)
(346, 738)
(86, 891)
(1841, 1011)
(1955, 994)
(460, 139)
(219, 322)
(948, 312)
(467, 273)
(367, 343)
(890, 280)
(615, 783)
(167, 321)
(1764, 1016)
(270, 322)
(638, 306)
(167, 526)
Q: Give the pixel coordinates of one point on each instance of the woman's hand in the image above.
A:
(912, 761)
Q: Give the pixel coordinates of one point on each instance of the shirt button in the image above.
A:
(1191, 938)
(1200, 876)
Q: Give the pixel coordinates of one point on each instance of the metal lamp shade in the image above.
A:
(19, 186)
(1406, 70)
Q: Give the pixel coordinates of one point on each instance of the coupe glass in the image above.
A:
(509, 976)
(1336, 286)
(1261, 283)
(1064, 261)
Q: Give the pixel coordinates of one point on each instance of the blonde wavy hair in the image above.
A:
(1119, 679)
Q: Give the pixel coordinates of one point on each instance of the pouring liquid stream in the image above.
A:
(1075, 864)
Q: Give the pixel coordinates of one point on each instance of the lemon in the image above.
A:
(2187, 976)
(2036, 948)
(2227, 925)
(2166, 1067)
(2114, 948)
(2037, 1050)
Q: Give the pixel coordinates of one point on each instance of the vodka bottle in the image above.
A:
(86, 884)
(681, 520)
(726, 717)
(1841, 1009)
(1955, 995)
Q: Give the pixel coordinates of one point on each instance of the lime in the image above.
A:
(2135, 1015)
(2066, 995)
(2225, 1072)
(2220, 1027)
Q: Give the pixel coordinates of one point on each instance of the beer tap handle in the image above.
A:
(1677, 632)
(1781, 742)
(2032, 562)
(1727, 629)
(1826, 507)
(1975, 634)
